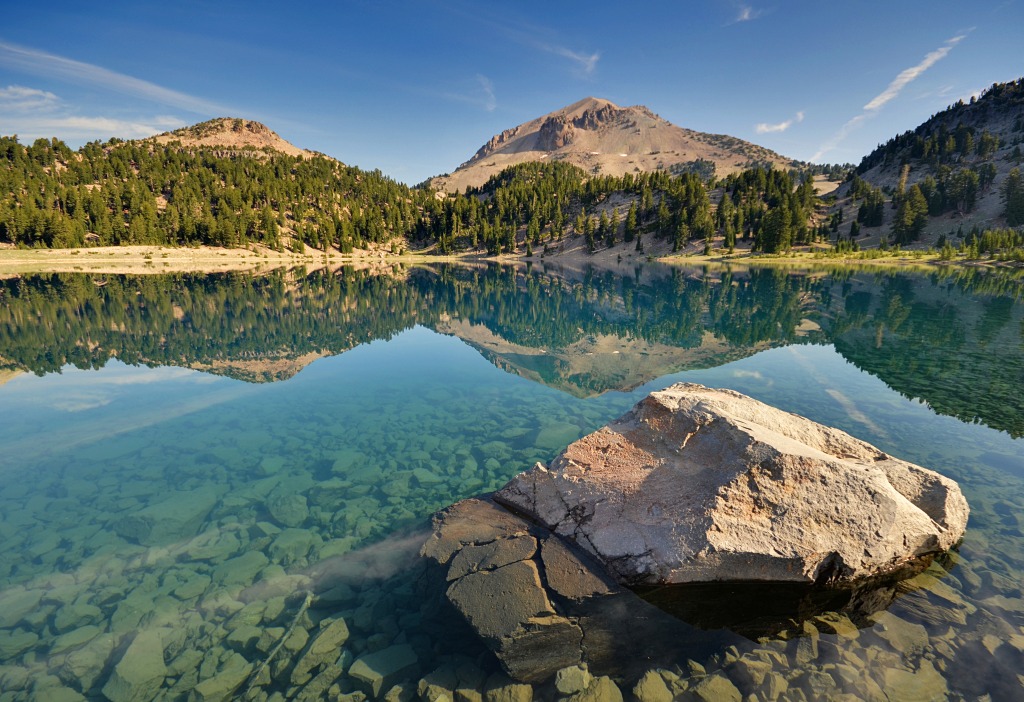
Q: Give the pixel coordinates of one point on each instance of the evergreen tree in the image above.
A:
(1013, 194)
(632, 226)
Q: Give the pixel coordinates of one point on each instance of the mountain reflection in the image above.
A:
(951, 338)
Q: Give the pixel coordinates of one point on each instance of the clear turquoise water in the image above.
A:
(157, 497)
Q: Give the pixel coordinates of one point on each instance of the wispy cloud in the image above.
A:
(19, 98)
(585, 63)
(906, 76)
(490, 101)
(526, 33)
(32, 113)
(41, 63)
(891, 91)
(746, 13)
(484, 97)
(765, 128)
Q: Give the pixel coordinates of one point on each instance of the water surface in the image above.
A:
(190, 455)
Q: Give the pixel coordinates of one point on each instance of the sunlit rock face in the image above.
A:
(696, 485)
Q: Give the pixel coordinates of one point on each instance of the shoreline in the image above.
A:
(157, 259)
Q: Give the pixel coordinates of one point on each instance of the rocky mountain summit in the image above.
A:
(601, 137)
(232, 133)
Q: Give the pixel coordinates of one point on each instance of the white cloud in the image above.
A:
(891, 91)
(585, 63)
(485, 98)
(20, 98)
(490, 102)
(30, 126)
(746, 13)
(906, 76)
(52, 66)
(765, 128)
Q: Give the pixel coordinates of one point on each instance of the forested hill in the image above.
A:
(957, 172)
(228, 183)
(179, 189)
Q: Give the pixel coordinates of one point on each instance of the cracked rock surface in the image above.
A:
(540, 604)
(695, 484)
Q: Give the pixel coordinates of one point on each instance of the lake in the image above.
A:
(202, 476)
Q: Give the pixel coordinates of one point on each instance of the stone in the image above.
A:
(16, 603)
(425, 477)
(60, 694)
(750, 672)
(241, 570)
(838, 624)
(316, 688)
(717, 688)
(539, 647)
(84, 666)
(438, 685)
(924, 684)
(74, 639)
(695, 485)
(193, 587)
(324, 648)
(537, 624)
(807, 644)
(499, 688)
(400, 693)
(15, 642)
(140, 672)
(775, 685)
(602, 689)
(905, 637)
(496, 602)
(651, 687)
(380, 670)
(76, 615)
(573, 679)
(244, 637)
(173, 518)
(288, 510)
(571, 576)
(223, 685)
(556, 436)
(490, 556)
(292, 545)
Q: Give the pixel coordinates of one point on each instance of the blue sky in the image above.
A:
(414, 88)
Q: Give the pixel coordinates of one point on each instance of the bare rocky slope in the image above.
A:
(601, 137)
(231, 133)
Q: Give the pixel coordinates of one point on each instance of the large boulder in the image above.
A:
(695, 484)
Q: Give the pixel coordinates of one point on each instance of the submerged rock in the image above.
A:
(140, 672)
(695, 484)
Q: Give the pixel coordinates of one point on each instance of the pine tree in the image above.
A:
(1013, 194)
(632, 227)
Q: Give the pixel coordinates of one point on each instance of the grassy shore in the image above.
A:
(206, 259)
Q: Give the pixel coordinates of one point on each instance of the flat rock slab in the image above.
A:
(379, 670)
(540, 603)
(695, 485)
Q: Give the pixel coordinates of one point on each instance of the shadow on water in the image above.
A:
(758, 609)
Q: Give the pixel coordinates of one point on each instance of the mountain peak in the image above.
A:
(587, 103)
(231, 133)
(600, 137)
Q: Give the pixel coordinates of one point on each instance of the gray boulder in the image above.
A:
(695, 484)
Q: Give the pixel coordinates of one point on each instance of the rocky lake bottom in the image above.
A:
(167, 534)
